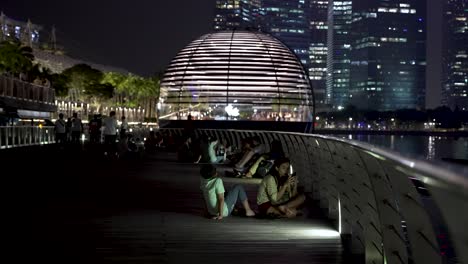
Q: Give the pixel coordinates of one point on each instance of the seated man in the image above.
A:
(212, 151)
(185, 152)
(256, 149)
(266, 160)
(217, 204)
(277, 194)
(236, 155)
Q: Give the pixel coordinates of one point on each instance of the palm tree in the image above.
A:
(15, 58)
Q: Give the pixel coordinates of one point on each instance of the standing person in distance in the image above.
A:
(76, 128)
(123, 127)
(60, 131)
(110, 134)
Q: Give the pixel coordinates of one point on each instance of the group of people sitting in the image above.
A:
(206, 149)
(277, 194)
(252, 160)
(249, 161)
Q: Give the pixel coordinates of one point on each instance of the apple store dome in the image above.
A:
(236, 75)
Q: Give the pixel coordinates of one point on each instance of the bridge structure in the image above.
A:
(367, 201)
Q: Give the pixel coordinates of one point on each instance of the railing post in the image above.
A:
(2, 133)
(7, 136)
(13, 136)
(30, 135)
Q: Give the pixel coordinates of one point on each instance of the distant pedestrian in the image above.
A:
(76, 128)
(110, 134)
(95, 130)
(68, 128)
(60, 130)
(123, 127)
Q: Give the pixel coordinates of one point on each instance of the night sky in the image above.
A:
(142, 36)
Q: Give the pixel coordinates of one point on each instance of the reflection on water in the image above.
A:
(429, 147)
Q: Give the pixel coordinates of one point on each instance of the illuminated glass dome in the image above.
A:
(236, 75)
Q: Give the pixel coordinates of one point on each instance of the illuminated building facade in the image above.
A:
(236, 75)
(26, 32)
(318, 49)
(288, 20)
(388, 55)
(339, 48)
(236, 14)
(455, 80)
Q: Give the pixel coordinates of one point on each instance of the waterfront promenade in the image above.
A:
(77, 207)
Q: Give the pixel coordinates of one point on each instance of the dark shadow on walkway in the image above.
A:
(80, 208)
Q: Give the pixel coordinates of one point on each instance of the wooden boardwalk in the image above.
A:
(93, 211)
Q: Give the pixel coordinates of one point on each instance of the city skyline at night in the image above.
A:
(110, 34)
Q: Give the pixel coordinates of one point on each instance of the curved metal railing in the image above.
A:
(396, 210)
(20, 136)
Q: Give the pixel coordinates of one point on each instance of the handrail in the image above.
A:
(22, 136)
(394, 208)
(25, 91)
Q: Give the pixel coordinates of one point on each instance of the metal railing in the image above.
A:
(22, 136)
(19, 90)
(396, 210)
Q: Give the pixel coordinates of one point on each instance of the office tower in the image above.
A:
(455, 54)
(318, 49)
(387, 55)
(25, 32)
(288, 20)
(339, 47)
(236, 14)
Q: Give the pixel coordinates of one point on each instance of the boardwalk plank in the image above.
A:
(152, 213)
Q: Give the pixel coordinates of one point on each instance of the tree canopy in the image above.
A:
(15, 58)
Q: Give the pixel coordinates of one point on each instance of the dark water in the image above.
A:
(426, 147)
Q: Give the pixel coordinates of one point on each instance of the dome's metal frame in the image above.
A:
(230, 67)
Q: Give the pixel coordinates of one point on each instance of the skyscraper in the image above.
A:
(236, 14)
(288, 20)
(455, 77)
(338, 59)
(388, 54)
(318, 48)
(300, 24)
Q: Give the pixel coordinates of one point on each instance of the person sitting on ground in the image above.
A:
(277, 194)
(185, 151)
(212, 151)
(151, 142)
(217, 203)
(235, 156)
(276, 152)
(257, 149)
(204, 150)
(224, 148)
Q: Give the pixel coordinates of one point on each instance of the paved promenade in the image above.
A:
(80, 208)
